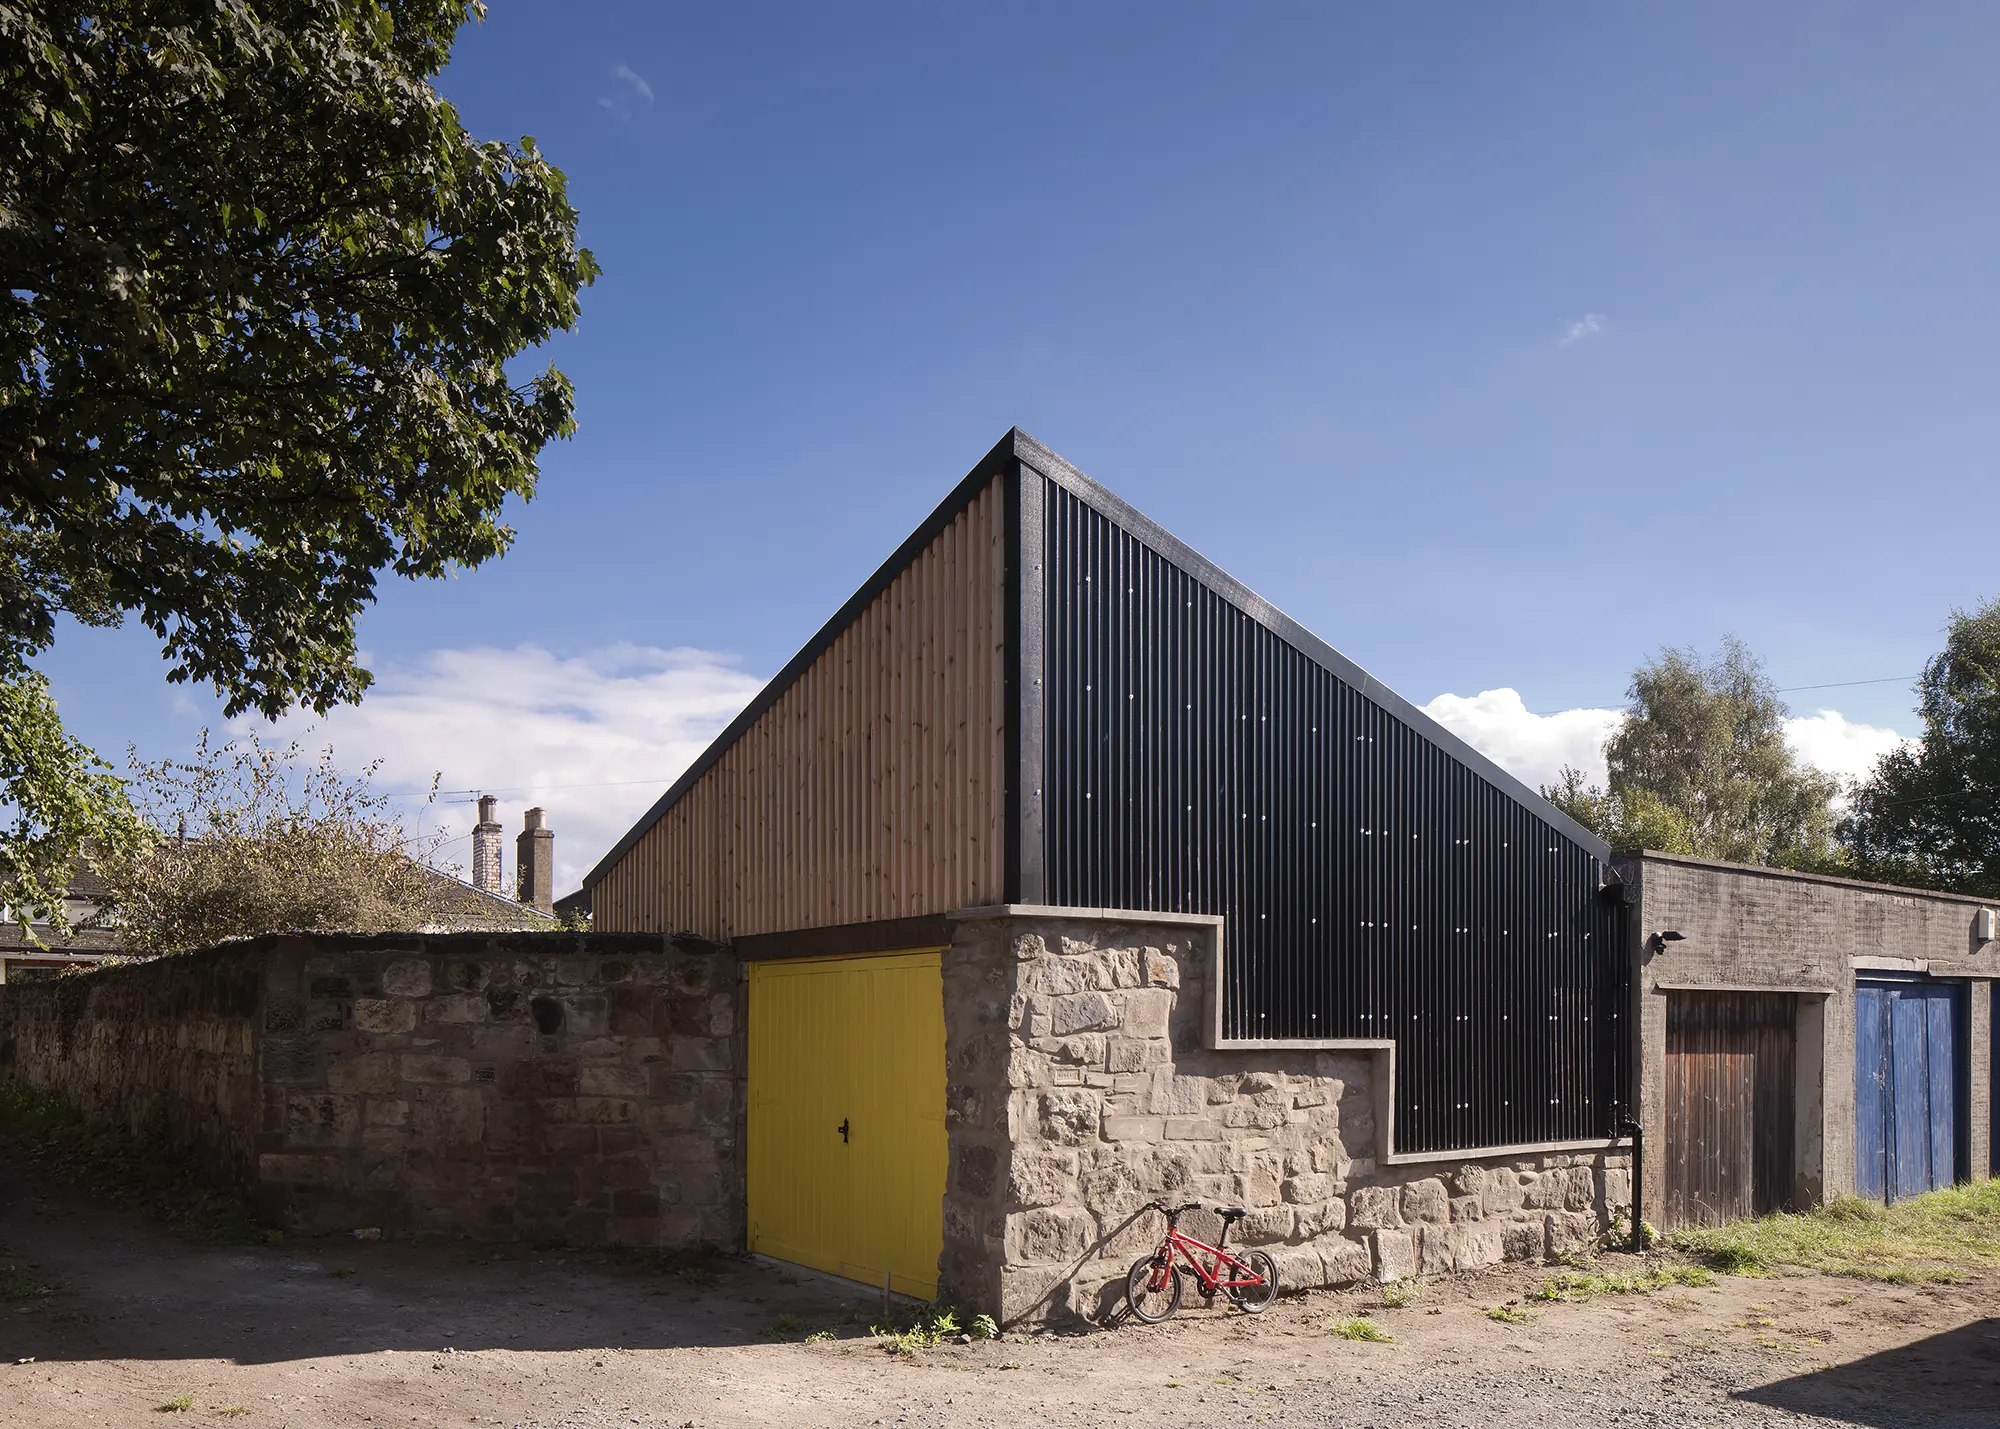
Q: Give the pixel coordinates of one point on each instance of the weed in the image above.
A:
(1588, 1284)
(1510, 1315)
(905, 1336)
(233, 1411)
(109, 1163)
(1360, 1327)
(786, 1326)
(18, 1280)
(179, 1404)
(819, 1337)
(701, 1277)
(984, 1327)
(1940, 1238)
(1398, 1293)
(343, 1272)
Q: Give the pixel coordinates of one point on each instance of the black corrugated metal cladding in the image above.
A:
(1373, 886)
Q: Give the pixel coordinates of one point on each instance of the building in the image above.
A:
(1067, 873)
(1804, 1038)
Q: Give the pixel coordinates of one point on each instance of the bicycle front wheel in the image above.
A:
(1152, 1292)
(1254, 1298)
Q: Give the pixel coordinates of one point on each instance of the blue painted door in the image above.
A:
(1906, 1055)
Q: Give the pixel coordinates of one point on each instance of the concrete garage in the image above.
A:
(1803, 1038)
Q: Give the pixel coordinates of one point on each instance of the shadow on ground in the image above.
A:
(1954, 1373)
(122, 1288)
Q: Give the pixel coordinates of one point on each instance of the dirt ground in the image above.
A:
(346, 1332)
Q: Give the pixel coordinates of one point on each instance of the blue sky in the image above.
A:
(1500, 345)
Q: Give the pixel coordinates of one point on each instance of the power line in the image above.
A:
(1842, 684)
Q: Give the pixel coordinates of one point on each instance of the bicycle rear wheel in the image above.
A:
(1254, 1298)
(1148, 1303)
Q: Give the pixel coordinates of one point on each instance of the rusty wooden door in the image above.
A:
(1730, 1105)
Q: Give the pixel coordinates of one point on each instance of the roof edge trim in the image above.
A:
(1171, 548)
(993, 464)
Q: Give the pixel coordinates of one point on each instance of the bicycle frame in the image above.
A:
(1209, 1275)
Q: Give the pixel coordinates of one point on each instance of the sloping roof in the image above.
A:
(1018, 445)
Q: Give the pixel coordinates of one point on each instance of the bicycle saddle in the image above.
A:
(1231, 1213)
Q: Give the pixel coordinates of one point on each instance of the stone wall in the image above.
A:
(1082, 1086)
(548, 1087)
(1750, 928)
(165, 1050)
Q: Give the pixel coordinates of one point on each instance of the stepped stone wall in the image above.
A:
(1081, 1086)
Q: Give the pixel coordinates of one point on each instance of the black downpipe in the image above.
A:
(1637, 1132)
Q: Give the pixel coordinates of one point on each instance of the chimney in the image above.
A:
(489, 859)
(535, 860)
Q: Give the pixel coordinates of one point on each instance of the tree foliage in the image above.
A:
(260, 290)
(248, 838)
(259, 297)
(1699, 765)
(1929, 815)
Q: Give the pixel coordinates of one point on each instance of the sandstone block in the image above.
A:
(1262, 1227)
(1501, 1192)
(1424, 1202)
(612, 1081)
(1194, 1128)
(1034, 1181)
(368, 1072)
(290, 1169)
(1043, 1237)
(1434, 1250)
(427, 1067)
(1346, 1261)
(978, 1170)
(1325, 1218)
(386, 1111)
(1135, 1128)
(1249, 1117)
(446, 1117)
(1310, 1187)
(1068, 1116)
(1178, 1096)
(323, 1120)
(1395, 1255)
(1579, 1189)
(1568, 1231)
(1522, 1240)
(1466, 1208)
(1373, 1207)
(1083, 1012)
(1469, 1179)
(460, 1007)
(407, 977)
(1161, 969)
(1546, 1192)
(382, 1017)
(1255, 1082)
(1126, 1054)
(1147, 1011)
(1474, 1247)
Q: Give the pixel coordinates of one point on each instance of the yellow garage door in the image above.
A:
(847, 1147)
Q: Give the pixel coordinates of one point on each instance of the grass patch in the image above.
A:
(929, 1325)
(1398, 1293)
(1360, 1327)
(18, 1279)
(109, 1164)
(179, 1404)
(786, 1327)
(1510, 1315)
(1940, 1238)
(232, 1411)
(1589, 1284)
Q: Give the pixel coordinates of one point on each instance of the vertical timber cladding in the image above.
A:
(871, 786)
(1731, 1105)
(1374, 885)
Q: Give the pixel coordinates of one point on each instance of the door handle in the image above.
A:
(843, 1129)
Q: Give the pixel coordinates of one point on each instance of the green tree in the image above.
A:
(1699, 765)
(1929, 815)
(259, 296)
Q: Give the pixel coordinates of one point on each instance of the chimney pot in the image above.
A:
(535, 862)
(489, 856)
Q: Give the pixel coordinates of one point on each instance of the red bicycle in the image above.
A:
(1153, 1285)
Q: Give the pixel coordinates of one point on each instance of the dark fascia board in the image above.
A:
(993, 464)
(1172, 549)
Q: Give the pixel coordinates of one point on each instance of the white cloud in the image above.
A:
(631, 88)
(1532, 747)
(1589, 325)
(1836, 744)
(593, 738)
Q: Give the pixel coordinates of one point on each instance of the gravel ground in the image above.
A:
(341, 1332)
